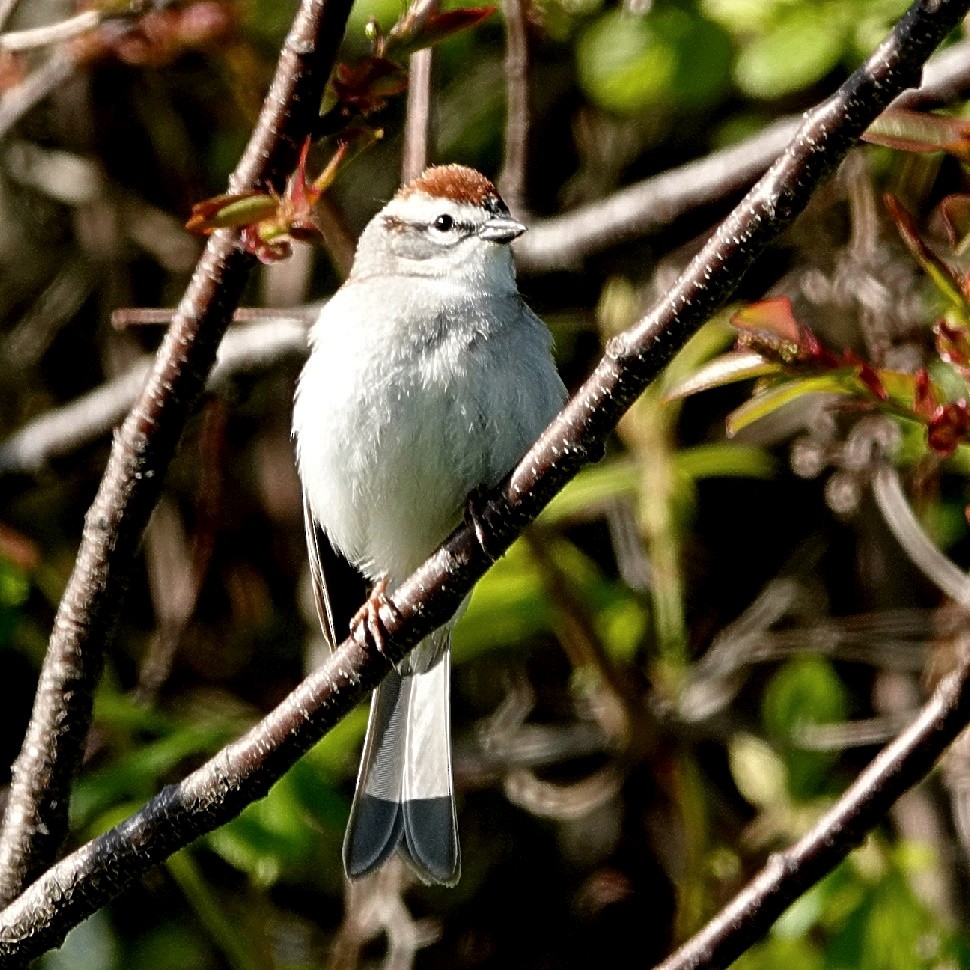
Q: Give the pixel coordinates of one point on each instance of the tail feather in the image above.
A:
(405, 793)
(430, 825)
(376, 819)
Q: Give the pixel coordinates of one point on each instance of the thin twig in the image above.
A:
(42, 81)
(652, 205)
(75, 887)
(35, 821)
(24, 40)
(939, 569)
(417, 124)
(511, 182)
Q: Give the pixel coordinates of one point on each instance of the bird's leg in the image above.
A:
(367, 623)
(475, 519)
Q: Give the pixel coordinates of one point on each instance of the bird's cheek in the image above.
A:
(412, 246)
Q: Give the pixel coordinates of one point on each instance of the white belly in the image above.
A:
(391, 444)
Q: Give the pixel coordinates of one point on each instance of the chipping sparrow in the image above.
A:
(428, 378)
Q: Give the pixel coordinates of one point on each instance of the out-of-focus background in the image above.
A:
(673, 674)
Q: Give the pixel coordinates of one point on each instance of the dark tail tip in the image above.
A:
(431, 839)
(373, 833)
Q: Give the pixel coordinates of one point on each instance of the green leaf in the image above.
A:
(623, 65)
(727, 369)
(116, 711)
(296, 829)
(704, 52)
(920, 131)
(667, 57)
(803, 692)
(231, 211)
(797, 51)
(507, 607)
(725, 460)
(592, 490)
(771, 399)
(510, 604)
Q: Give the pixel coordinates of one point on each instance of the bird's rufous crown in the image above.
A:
(456, 183)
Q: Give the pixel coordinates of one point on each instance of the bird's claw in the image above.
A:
(367, 623)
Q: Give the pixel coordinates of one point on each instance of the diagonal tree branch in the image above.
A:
(35, 821)
(899, 766)
(77, 885)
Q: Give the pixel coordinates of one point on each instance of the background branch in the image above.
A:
(511, 181)
(246, 348)
(22, 40)
(18, 100)
(79, 884)
(35, 820)
(417, 125)
(417, 122)
(652, 205)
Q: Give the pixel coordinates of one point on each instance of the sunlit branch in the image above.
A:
(788, 874)
(246, 348)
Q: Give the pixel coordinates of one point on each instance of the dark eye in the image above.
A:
(443, 223)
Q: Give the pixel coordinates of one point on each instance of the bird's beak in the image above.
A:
(501, 229)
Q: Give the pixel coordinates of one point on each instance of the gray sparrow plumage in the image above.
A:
(428, 378)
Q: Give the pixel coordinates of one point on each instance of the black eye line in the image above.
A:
(396, 224)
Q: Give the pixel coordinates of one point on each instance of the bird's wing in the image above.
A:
(338, 587)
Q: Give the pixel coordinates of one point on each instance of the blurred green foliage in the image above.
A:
(865, 914)
(673, 57)
(803, 692)
(14, 588)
